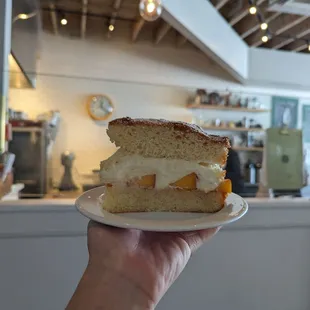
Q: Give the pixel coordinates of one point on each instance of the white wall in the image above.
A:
(71, 69)
(279, 69)
(141, 80)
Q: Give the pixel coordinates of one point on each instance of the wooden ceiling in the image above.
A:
(289, 32)
(88, 18)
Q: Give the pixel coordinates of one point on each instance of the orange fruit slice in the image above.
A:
(187, 182)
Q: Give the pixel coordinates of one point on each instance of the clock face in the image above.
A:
(100, 107)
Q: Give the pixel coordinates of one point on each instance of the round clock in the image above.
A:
(99, 107)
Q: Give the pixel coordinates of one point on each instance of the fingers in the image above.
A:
(197, 238)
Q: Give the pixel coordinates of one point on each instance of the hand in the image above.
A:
(133, 268)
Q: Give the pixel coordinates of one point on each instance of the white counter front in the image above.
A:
(259, 262)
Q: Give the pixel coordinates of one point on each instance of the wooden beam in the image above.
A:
(300, 48)
(296, 46)
(137, 28)
(53, 16)
(303, 30)
(161, 32)
(220, 3)
(181, 40)
(116, 6)
(84, 18)
(243, 13)
(250, 24)
(278, 26)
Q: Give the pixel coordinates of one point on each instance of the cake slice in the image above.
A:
(164, 166)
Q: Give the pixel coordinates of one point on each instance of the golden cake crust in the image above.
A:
(182, 127)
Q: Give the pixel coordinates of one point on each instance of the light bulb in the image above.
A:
(150, 7)
(264, 26)
(111, 27)
(150, 10)
(265, 38)
(64, 21)
(252, 9)
(23, 16)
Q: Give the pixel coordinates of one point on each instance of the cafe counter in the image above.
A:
(250, 264)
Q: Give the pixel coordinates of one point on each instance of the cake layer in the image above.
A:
(127, 199)
(168, 139)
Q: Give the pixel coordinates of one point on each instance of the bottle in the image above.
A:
(250, 172)
(258, 167)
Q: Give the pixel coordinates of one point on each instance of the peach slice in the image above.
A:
(147, 181)
(225, 187)
(187, 182)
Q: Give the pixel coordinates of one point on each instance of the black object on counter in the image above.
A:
(67, 183)
(233, 172)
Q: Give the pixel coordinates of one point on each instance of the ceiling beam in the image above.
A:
(297, 32)
(243, 13)
(220, 3)
(137, 28)
(250, 24)
(53, 16)
(300, 48)
(116, 6)
(162, 31)
(281, 24)
(84, 18)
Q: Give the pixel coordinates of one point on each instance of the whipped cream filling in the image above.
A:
(122, 168)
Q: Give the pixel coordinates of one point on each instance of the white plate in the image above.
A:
(89, 205)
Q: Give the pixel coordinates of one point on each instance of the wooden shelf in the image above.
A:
(248, 149)
(241, 129)
(224, 108)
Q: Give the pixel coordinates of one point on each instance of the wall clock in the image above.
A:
(99, 107)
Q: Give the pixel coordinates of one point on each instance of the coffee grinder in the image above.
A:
(67, 183)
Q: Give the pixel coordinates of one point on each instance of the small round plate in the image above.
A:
(89, 204)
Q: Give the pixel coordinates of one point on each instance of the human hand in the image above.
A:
(149, 262)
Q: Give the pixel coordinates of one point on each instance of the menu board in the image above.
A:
(284, 112)
(306, 123)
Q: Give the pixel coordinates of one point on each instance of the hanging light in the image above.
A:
(150, 10)
(252, 8)
(64, 21)
(24, 16)
(266, 37)
(111, 27)
(263, 26)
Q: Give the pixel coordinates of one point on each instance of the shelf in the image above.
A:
(248, 149)
(27, 129)
(224, 108)
(241, 129)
